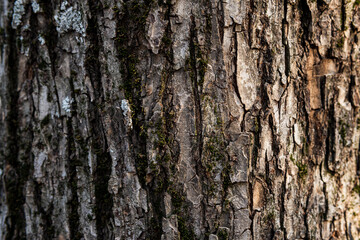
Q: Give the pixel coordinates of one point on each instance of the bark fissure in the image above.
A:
(131, 19)
(330, 141)
(196, 85)
(15, 175)
(73, 162)
(103, 198)
(51, 41)
(282, 205)
(285, 26)
(49, 231)
(343, 15)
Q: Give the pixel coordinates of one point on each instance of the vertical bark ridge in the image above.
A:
(131, 18)
(45, 212)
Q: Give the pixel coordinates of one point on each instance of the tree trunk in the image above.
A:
(180, 119)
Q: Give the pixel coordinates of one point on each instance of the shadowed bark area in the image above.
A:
(179, 119)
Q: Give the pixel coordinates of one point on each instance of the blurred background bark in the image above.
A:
(179, 119)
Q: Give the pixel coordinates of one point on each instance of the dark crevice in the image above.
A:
(47, 224)
(73, 204)
(92, 54)
(306, 216)
(343, 15)
(51, 40)
(221, 24)
(99, 146)
(251, 207)
(263, 93)
(130, 28)
(346, 228)
(276, 150)
(335, 233)
(358, 157)
(352, 88)
(330, 153)
(103, 198)
(322, 90)
(285, 25)
(193, 71)
(166, 47)
(235, 65)
(306, 21)
(272, 232)
(73, 162)
(51, 34)
(267, 69)
(321, 5)
(253, 161)
(196, 70)
(325, 214)
(267, 172)
(15, 173)
(275, 145)
(282, 206)
(257, 146)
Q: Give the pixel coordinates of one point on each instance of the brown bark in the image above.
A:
(180, 119)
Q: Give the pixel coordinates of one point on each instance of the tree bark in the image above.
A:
(180, 119)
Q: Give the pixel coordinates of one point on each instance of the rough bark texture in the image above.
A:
(180, 119)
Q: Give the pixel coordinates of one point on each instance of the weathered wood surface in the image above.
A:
(180, 119)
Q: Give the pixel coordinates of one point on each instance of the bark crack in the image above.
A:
(14, 172)
(103, 198)
(285, 26)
